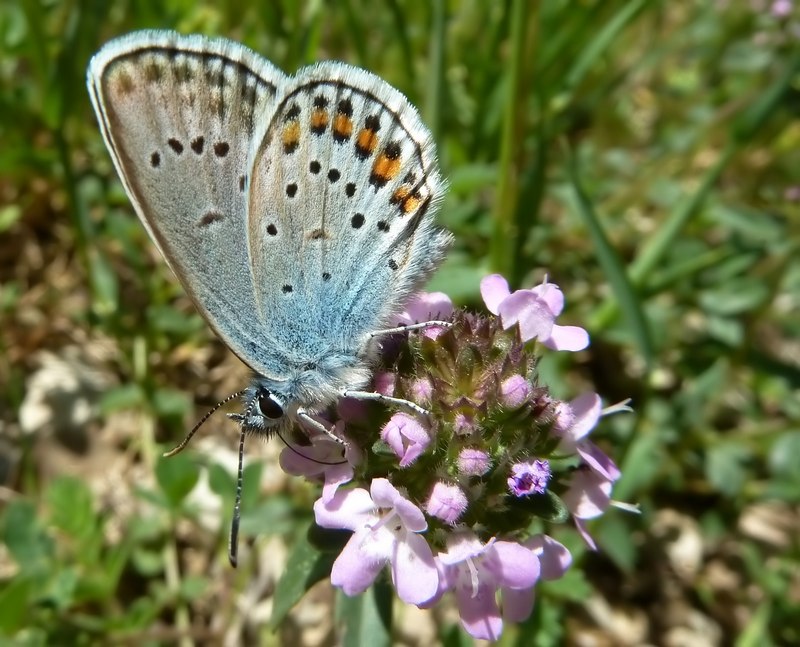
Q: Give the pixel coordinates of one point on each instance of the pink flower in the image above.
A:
(463, 424)
(515, 391)
(475, 571)
(406, 436)
(324, 458)
(446, 502)
(385, 529)
(781, 8)
(574, 421)
(588, 496)
(473, 462)
(529, 478)
(427, 306)
(554, 560)
(383, 383)
(535, 310)
(589, 492)
(421, 390)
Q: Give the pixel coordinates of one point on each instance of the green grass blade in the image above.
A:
(612, 265)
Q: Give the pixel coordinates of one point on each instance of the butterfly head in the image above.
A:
(270, 404)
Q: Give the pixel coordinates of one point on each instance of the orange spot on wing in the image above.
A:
(319, 120)
(411, 203)
(405, 200)
(342, 127)
(366, 142)
(291, 136)
(385, 167)
(399, 194)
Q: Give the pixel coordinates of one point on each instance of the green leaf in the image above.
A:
(271, 517)
(305, 567)
(221, 481)
(171, 403)
(572, 586)
(725, 467)
(71, 507)
(28, 543)
(328, 540)
(15, 603)
(62, 588)
(9, 215)
(192, 587)
(166, 319)
(367, 618)
(783, 454)
(176, 476)
(148, 562)
(614, 536)
(547, 506)
(127, 396)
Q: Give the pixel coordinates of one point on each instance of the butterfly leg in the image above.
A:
(410, 327)
(386, 399)
(315, 424)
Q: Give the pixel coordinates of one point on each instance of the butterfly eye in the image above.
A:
(268, 406)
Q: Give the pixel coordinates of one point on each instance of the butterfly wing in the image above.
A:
(178, 114)
(345, 186)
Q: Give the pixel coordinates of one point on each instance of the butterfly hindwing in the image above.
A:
(179, 114)
(344, 189)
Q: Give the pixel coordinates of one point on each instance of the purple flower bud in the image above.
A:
(383, 383)
(529, 478)
(422, 390)
(473, 462)
(464, 424)
(447, 502)
(515, 391)
(406, 436)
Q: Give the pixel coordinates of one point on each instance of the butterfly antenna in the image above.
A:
(302, 455)
(233, 540)
(182, 445)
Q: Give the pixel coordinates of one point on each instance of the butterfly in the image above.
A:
(296, 211)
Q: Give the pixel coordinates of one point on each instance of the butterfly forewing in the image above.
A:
(343, 193)
(179, 114)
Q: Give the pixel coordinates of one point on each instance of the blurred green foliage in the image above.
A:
(643, 154)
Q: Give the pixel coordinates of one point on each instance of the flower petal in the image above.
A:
(554, 558)
(589, 494)
(585, 411)
(426, 306)
(352, 571)
(552, 295)
(461, 546)
(412, 517)
(494, 289)
(384, 493)
(534, 317)
(569, 338)
(580, 524)
(518, 604)
(335, 476)
(349, 509)
(479, 613)
(597, 459)
(513, 565)
(414, 570)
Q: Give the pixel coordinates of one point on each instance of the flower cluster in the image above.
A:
(459, 499)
